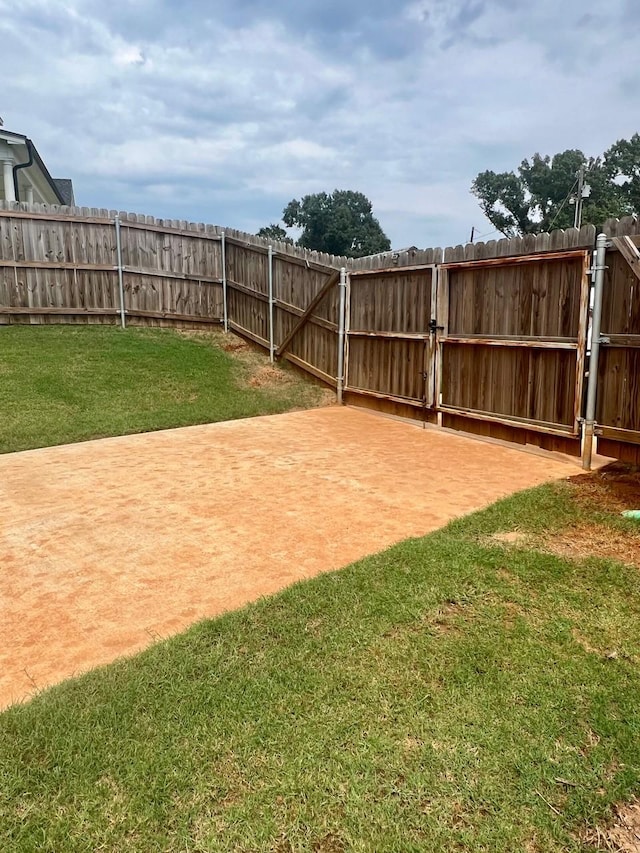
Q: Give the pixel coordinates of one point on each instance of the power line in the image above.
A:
(559, 211)
(480, 236)
(577, 181)
(497, 230)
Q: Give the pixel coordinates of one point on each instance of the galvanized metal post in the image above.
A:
(347, 329)
(341, 326)
(123, 321)
(577, 219)
(599, 267)
(225, 313)
(270, 279)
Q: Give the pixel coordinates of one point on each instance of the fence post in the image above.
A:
(225, 314)
(599, 266)
(270, 280)
(347, 329)
(341, 326)
(123, 321)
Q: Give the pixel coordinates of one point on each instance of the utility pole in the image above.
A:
(577, 219)
(584, 191)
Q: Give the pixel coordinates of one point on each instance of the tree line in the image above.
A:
(538, 196)
(339, 223)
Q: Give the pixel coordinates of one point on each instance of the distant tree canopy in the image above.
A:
(623, 162)
(275, 232)
(340, 223)
(537, 197)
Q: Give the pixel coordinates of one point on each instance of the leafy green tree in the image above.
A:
(340, 223)
(275, 232)
(537, 197)
(622, 164)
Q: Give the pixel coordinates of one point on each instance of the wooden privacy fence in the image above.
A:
(618, 401)
(486, 338)
(488, 342)
(81, 265)
(269, 292)
(514, 330)
(71, 267)
(390, 345)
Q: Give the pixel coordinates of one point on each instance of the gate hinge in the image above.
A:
(434, 327)
(594, 269)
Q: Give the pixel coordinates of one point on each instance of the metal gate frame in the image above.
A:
(614, 440)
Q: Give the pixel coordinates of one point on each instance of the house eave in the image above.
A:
(12, 138)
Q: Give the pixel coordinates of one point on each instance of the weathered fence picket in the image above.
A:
(489, 337)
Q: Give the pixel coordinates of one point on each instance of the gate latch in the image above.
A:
(434, 327)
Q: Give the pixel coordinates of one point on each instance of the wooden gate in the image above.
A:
(618, 403)
(390, 354)
(511, 347)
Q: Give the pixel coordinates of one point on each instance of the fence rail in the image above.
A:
(489, 338)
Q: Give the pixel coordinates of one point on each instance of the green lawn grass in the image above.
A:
(61, 384)
(424, 699)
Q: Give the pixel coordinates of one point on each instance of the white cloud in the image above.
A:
(128, 55)
(171, 110)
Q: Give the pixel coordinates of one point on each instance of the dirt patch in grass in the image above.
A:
(609, 654)
(329, 844)
(227, 342)
(267, 376)
(235, 345)
(260, 373)
(611, 489)
(510, 539)
(578, 542)
(449, 614)
(584, 540)
(622, 835)
(257, 371)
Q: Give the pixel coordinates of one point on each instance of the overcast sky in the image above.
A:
(224, 110)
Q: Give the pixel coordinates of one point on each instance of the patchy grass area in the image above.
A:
(603, 534)
(459, 692)
(61, 384)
